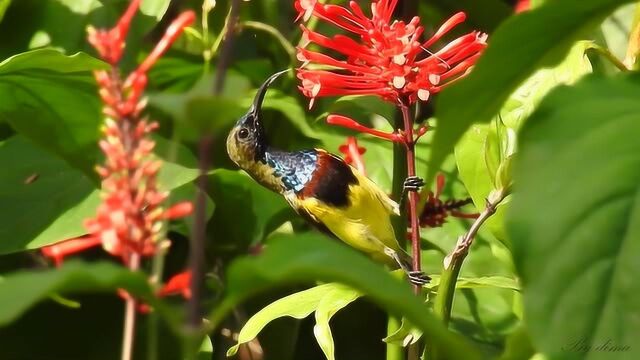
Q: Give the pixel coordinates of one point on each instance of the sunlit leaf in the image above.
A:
(534, 39)
(298, 306)
(484, 146)
(309, 257)
(329, 305)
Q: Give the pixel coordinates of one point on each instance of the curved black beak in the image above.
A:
(262, 91)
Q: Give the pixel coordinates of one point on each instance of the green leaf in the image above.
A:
(298, 306)
(246, 211)
(616, 28)
(155, 8)
(575, 237)
(206, 349)
(406, 335)
(534, 39)
(329, 305)
(4, 4)
(43, 199)
(496, 281)
(485, 147)
(51, 98)
(50, 200)
(313, 257)
(22, 290)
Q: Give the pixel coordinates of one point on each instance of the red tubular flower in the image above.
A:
(436, 211)
(522, 5)
(381, 58)
(110, 43)
(59, 251)
(353, 154)
(178, 284)
(347, 122)
(130, 218)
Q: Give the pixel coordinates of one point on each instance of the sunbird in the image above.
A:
(331, 194)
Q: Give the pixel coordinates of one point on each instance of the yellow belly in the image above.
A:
(365, 224)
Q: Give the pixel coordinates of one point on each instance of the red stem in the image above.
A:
(413, 196)
(130, 313)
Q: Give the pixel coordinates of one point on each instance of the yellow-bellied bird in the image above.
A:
(322, 188)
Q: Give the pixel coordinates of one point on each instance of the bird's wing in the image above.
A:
(391, 206)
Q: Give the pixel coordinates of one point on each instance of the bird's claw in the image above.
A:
(418, 278)
(413, 183)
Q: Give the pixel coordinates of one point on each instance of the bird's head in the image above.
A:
(247, 141)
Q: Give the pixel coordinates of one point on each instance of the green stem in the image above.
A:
(453, 264)
(609, 56)
(286, 45)
(394, 352)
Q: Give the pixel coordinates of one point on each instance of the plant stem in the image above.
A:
(453, 262)
(394, 352)
(130, 314)
(413, 196)
(196, 253)
(399, 175)
(609, 56)
(286, 45)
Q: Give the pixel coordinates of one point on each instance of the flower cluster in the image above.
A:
(131, 216)
(382, 58)
(436, 211)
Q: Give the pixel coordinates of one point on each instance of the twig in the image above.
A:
(130, 314)
(609, 56)
(286, 45)
(196, 254)
(453, 262)
(464, 242)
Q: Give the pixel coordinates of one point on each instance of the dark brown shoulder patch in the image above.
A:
(330, 181)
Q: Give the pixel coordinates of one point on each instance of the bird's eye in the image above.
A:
(243, 133)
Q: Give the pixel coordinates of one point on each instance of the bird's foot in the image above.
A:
(418, 278)
(413, 183)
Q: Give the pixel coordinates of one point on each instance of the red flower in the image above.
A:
(353, 154)
(178, 284)
(131, 216)
(436, 211)
(383, 58)
(522, 5)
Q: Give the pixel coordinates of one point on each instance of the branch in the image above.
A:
(196, 253)
(453, 261)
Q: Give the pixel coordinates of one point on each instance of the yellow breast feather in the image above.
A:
(365, 224)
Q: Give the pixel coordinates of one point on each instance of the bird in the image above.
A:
(322, 188)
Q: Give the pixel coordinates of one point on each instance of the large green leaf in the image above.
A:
(575, 220)
(45, 201)
(534, 39)
(51, 98)
(308, 257)
(21, 290)
(42, 199)
(485, 146)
